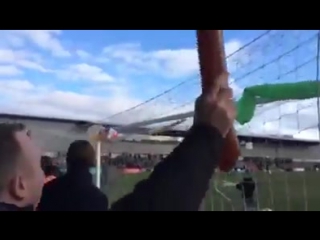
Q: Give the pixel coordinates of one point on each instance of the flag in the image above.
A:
(109, 133)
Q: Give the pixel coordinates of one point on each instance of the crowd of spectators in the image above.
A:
(142, 161)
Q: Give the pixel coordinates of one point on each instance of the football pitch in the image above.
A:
(279, 191)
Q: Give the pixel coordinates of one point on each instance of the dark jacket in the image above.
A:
(5, 207)
(178, 183)
(247, 187)
(74, 191)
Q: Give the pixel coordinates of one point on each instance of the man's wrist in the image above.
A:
(203, 124)
(205, 128)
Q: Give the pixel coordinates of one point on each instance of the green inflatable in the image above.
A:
(267, 93)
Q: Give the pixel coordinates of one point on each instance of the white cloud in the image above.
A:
(25, 98)
(44, 39)
(173, 63)
(16, 84)
(83, 54)
(21, 58)
(176, 63)
(85, 71)
(170, 63)
(9, 70)
(13, 88)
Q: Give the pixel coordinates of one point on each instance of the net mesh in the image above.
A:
(272, 57)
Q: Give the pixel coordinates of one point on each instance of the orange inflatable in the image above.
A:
(212, 64)
(230, 153)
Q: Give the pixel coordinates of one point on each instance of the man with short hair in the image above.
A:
(75, 190)
(21, 176)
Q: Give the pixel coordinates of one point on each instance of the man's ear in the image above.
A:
(17, 187)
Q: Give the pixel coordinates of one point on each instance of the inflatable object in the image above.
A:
(212, 64)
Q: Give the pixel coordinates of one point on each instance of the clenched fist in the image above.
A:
(216, 107)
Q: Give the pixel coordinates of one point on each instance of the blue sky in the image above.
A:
(95, 74)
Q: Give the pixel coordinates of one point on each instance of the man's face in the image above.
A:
(29, 178)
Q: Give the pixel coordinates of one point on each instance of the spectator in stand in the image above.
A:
(51, 171)
(21, 176)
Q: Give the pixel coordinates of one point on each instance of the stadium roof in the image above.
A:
(170, 133)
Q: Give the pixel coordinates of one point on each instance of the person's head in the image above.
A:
(52, 170)
(46, 161)
(80, 154)
(21, 176)
(48, 166)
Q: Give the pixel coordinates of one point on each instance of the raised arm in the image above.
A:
(180, 182)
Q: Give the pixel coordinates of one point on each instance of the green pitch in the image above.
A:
(280, 191)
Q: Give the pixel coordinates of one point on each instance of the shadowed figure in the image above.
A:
(247, 187)
(75, 190)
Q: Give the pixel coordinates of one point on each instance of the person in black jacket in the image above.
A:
(179, 183)
(247, 187)
(75, 190)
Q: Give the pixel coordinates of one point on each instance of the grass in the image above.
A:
(281, 191)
